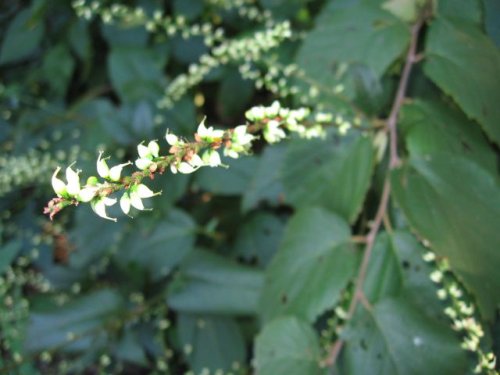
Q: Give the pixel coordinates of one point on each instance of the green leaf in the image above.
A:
(222, 181)
(135, 75)
(455, 204)
(22, 38)
(396, 338)
(82, 319)
(492, 19)
(265, 182)
(211, 284)
(232, 105)
(376, 39)
(211, 342)
(461, 10)
(434, 127)
(313, 264)
(259, 237)
(326, 174)
(57, 68)
(456, 49)
(8, 253)
(288, 346)
(79, 40)
(160, 248)
(129, 348)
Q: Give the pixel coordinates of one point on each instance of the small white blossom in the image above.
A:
(102, 166)
(143, 151)
(154, 148)
(143, 163)
(73, 185)
(208, 134)
(116, 171)
(57, 184)
(99, 207)
(125, 203)
(272, 132)
(87, 194)
(211, 158)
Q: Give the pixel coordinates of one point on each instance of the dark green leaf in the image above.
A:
(8, 253)
(335, 174)
(22, 38)
(215, 285)
(313, 264)
(82, 319)
(455, 204)
(396, 338)
(456, 49)
(211, 342)
(288, 346)
(492, 19)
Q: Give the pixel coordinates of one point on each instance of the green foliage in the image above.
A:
(351, 226)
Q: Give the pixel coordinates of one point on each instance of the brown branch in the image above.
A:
(391, 123)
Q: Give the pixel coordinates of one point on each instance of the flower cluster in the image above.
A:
(461, 313)
(183, 156)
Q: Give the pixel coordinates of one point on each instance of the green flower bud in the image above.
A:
(92, 181)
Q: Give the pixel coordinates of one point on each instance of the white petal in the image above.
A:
(73, 185)
(143, 163)
(102, 167)
(99, 207)
(57, 184)
(154, 148)
(202, 130)
(116, 171)
(196, 161)
(143, 151)
(136, 201)
(125, 203)
(172, 139)
(186, 168)
(144, 192)
(87, 193)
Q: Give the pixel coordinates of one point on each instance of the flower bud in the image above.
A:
(57, 184)
(102, 166)
(92, 181)
(154, 148)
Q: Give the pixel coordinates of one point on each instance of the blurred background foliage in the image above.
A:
(264, 247)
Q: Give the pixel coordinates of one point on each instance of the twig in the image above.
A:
(358, 296)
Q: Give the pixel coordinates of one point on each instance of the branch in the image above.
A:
(358, 296)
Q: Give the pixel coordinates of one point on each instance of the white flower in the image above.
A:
(255, 113)
(73, 185)
(102, 166)
(116, 171)
(241, 137)
(189, 167)
(144, 192)
(172, 139)
(87, 193)
(273, 110)
(143, 163)
(272, 132)
(208, 134)
(143, 151)
(154, 148)
(211, 158)
(57, 184)
(125, 203)
(99, 207)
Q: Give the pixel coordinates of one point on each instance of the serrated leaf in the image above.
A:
(456, 49)
(212, 284)
(455, 205)
(376, 39)
(434, 127)
(211, 342)
(395, 338)
(334, 174)
(287, 345)
(313, 264)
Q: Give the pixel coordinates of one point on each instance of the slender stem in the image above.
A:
(391, 123)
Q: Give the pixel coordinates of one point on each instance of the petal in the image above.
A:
(136, 201)
(102, 166)
(154, 148)
(99, 207)
(57, 184)
(87, 194)
(143, 163)
(143, 151)
(125, 203)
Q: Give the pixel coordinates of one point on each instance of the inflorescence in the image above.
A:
(183, 156)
